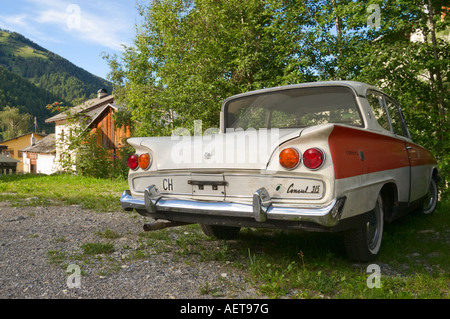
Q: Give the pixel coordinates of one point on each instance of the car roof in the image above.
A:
(359, 88)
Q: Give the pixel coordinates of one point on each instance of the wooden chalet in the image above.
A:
(99, 114)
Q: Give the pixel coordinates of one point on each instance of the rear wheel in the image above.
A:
(431, 199)
(220, 232)
(363, 244)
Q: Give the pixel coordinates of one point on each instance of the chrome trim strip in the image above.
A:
(261, 209)
(227, 174)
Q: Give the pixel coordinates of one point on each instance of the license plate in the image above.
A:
(207, 185)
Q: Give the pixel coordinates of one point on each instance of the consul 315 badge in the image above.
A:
(326, 156)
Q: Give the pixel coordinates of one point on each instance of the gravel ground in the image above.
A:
(31, 236)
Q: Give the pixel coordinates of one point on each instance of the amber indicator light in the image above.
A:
(145, 161)
(289, 158)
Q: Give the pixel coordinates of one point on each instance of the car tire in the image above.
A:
(430, 203)
(363, 243)
(220, 232)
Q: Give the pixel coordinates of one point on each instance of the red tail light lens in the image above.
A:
(289, 158)
(313, 158)
(133, 161)
(145, 161)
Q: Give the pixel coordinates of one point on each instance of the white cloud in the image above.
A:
(50, 17)
(21, 23)
(18, 19)
(88, 21)
(99, 28)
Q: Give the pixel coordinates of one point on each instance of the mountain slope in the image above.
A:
(47, 70)
(32, 77)
(16, 91)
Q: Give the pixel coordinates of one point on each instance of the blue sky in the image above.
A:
(79, 31)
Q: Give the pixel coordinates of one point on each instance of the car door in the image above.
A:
(392, 154)
(417, 184)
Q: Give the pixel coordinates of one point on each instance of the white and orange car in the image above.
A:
(326, 156)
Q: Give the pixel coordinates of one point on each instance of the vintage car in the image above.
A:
(328, 156)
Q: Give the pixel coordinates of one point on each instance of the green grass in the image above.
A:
(108, 234)
(18, 48)
(43, 190)
(97, 248)
(414, 259)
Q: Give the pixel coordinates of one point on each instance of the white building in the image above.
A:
(39, 157)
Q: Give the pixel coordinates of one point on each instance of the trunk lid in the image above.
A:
(250, 149)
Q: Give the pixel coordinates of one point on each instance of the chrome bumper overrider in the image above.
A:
(260, 210)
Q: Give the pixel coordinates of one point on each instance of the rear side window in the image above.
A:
(396, 116)
(377, 105)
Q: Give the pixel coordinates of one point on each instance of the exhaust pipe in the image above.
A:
(161, 224)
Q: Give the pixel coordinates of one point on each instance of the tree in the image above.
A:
(188, 56)
(13, 123)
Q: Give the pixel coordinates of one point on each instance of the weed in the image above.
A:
(56, 256)
(97, 248)
(221, 253)
(107, 233)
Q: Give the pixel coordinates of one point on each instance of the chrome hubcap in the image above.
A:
(429, 201)
(374, 228)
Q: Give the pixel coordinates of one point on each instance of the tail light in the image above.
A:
(145, 161)
(133, 161)
(313, 158)
(289, 158)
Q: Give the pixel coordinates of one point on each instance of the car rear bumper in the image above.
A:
(262, 211)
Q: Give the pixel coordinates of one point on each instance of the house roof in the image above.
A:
(46, 145)
(17, 137)
(98, 112)
(88, 107)
(6, 159)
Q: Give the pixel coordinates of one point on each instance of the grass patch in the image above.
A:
(108, 234)
(56, 256)
(97, 248)
(44, 190)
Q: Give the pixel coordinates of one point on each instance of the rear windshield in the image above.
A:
(293, 107)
